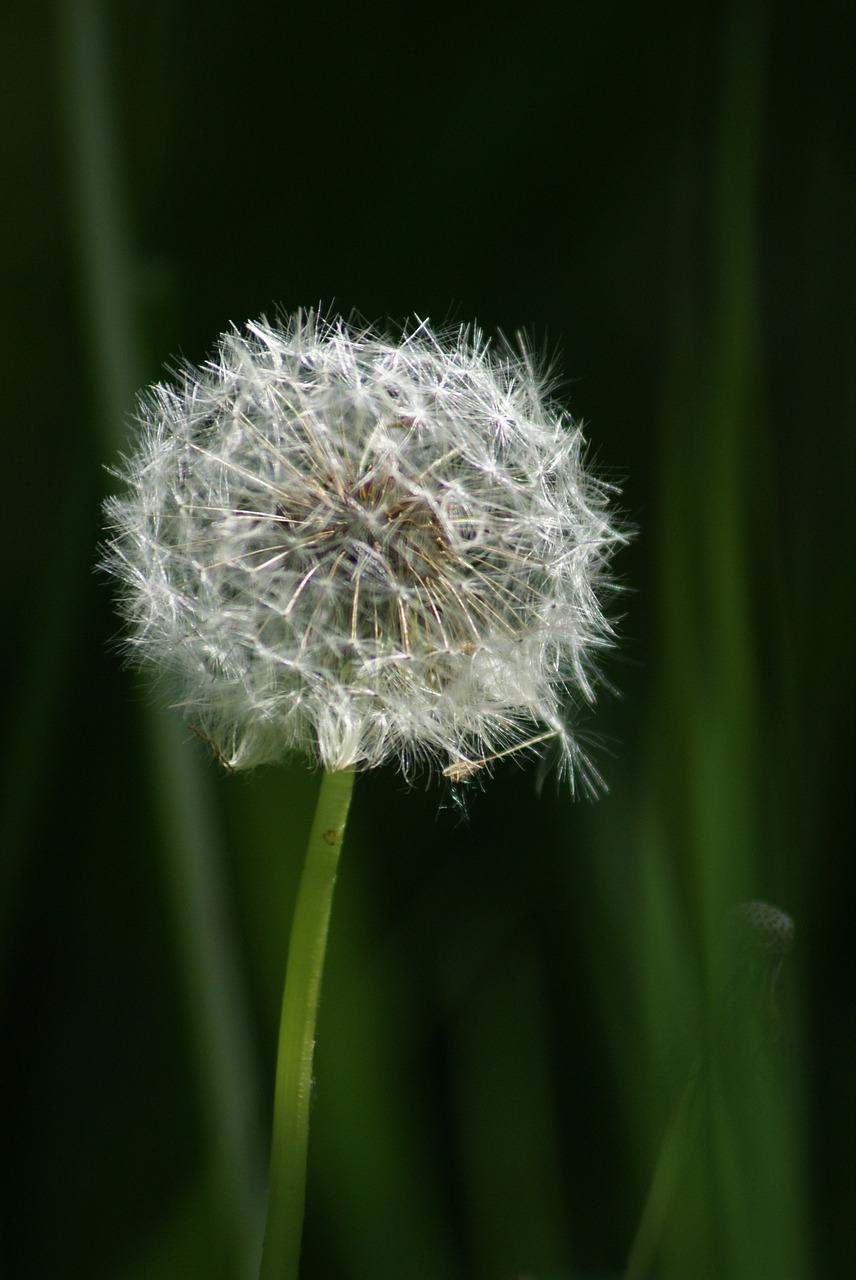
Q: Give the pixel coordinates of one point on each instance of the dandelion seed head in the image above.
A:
(763, 928)
(364, 548)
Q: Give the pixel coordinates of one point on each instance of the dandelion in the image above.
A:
(759, 937)
(364, 550)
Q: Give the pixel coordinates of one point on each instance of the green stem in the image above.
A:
(674, 1152)
(287, 1191)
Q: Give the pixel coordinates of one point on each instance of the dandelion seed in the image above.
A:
(364, 549)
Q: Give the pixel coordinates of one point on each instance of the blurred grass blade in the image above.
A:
(182, 796)
(738, 1208)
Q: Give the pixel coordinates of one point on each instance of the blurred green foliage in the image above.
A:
(530, 1004)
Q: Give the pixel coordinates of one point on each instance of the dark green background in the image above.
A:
(662, 196)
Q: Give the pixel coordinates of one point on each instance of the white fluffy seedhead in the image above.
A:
(364, 549)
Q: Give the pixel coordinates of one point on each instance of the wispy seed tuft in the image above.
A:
(364, 548)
